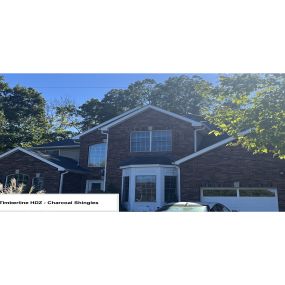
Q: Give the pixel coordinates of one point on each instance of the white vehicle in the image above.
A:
(194, 207)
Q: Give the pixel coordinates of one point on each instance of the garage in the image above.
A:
(243, 199)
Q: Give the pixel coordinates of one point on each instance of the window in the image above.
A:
(20, 179)
(97, 155)
(161, 141)
(38, 183)
(145, 188)
(94, 186)
(256, 193)
(126, 185)
(140, 141)
(156, 141)
(220, 192)
(170, 189)
(235, 192)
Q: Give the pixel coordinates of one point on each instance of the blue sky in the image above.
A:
(81, 87)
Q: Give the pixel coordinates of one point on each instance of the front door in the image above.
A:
(94, 186)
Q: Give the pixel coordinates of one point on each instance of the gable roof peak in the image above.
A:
(130, 113)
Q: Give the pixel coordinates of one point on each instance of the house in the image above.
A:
(151, 157)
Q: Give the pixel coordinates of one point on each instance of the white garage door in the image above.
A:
(243, 199)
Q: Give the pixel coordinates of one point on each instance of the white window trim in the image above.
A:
(122, 189)
(273, 190)
(94, 181)
(155, 176)
(150, 140)
(89, 155)
(6, 178)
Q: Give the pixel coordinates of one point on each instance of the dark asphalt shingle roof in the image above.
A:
(65, 162)
(211, 139)
(66, 142)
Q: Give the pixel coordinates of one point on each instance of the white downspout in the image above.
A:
(195, 137)
(105, 171)
(61, 181)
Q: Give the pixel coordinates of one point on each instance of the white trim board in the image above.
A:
(60, 168)
(146, 166)
(209, 148)
(142, 109)
(54, 147)
(129, 114)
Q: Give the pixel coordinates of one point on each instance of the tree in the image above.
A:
(115, 102)
(181, 94)
(89, 111)
(23, 114)
(62, 116)
(250, 101)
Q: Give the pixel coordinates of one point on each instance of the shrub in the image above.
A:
(13, 188)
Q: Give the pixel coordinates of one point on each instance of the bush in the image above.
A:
(14, 189)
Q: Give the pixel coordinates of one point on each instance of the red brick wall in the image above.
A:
(73, 183)
(119, 141)
(225, 165)
(30, 166)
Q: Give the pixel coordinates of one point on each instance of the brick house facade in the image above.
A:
(223, 166)
(151, 157)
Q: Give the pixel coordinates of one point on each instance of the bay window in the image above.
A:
(170, 189)
(145, 188)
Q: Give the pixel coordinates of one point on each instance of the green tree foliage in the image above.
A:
(90, 112)
(250, 101)
(63, 121)
(182, 94)
(118, 101)
(23, 115)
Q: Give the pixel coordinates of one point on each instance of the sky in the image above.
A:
(82, 87)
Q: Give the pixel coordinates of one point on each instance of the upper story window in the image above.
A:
(97, 155)
(146, 141)
(161, 141)
(140, 141)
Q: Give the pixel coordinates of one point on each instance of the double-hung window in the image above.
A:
(20, 179)
(97, 155)
(151, 141)
(145, 188)
(38, 183)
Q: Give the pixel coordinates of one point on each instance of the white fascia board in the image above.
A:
(211, 147)
(194, 123)
(104, 123)
(146, 166)
(60, 168)
(53, 147)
